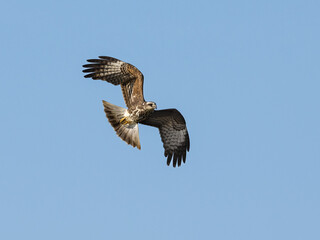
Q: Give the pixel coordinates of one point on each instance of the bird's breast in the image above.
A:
(140, 114)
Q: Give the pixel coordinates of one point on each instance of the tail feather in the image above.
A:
(128, 132)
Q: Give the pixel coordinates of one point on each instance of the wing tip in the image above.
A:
(177, 158)
(184, 156)
(90, 75)
(92, 60)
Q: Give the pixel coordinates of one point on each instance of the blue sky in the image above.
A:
(245, 75)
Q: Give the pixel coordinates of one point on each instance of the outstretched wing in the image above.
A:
(118, 72)
(173, 132)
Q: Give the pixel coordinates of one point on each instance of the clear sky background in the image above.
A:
(245, 75)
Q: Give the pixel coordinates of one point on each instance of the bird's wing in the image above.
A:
(173, 132)
(118, 72)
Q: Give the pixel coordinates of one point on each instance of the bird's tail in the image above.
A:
(127, 131)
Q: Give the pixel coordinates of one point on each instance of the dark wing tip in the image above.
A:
(107, 58)
(92, 65)
(179, 160)
(169, 158)
(93, 60)
(88, 70)
(174, 163)
(184, 156)
(91, 75)
(103, 59)
(175, 158)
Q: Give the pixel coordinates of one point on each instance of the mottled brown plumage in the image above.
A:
(170, 122)
(118, 72)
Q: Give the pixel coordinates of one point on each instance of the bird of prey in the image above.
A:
(170, 122)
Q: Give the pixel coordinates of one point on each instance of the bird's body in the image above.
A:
(170, 122)
(141, 112)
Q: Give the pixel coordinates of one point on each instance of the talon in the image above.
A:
(123, 121)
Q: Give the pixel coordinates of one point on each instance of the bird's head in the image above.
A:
(151, 105)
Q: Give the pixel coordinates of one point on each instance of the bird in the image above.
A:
(170, 122)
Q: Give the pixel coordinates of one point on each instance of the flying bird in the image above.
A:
(170, 122)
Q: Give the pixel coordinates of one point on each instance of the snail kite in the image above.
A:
(170, 122)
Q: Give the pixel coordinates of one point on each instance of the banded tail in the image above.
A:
(127, 132)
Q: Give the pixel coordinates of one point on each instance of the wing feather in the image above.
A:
(173, 132)
(118, 72)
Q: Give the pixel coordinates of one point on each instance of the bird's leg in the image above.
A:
(124, 121)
